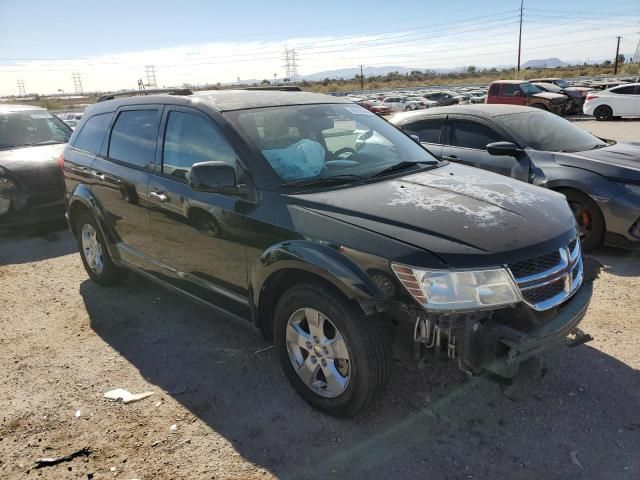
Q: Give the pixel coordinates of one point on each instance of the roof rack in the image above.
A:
(282, 88)
(134, 93)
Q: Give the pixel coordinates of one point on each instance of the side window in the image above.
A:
(90, 137)
(133, 137)
(494, 90)
(469, 134)
(510, 89)
(427, 130)
(628, 90)
(191, 139)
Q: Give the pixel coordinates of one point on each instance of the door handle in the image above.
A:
(159, 196)
(98, 175)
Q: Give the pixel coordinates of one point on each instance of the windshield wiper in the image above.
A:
(599, 145)
(325, 181)
(398, 167)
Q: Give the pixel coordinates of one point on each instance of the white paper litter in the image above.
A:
(124, 396)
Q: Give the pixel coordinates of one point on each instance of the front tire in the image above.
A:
(338, 360)
(94, 253)
(589, 217)
(603, 112)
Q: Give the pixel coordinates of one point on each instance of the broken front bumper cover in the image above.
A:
(521, 346)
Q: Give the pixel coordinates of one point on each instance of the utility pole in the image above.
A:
(150, 72)
(21, 91)
(77, 83)
(361, 79)
(615, 65)
(520, 35)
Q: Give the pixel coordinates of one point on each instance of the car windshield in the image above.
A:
(562, 83)
(548, 132)
(31, 127)
(324, 142)
(529, 89)
(550, 87)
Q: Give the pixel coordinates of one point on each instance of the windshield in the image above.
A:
(550, 87)
(548, 132)
(34, 127)
(307, 142)
(562, 83)
(529, 89)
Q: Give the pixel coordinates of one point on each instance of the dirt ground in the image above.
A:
(64, 341)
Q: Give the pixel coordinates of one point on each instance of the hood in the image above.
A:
(34, 167)
(462, 214)
(621, 160)
(549, 96)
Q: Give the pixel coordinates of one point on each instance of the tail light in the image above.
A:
(61, 160)
(591, 97)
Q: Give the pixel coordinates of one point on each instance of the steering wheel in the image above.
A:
(342, 151)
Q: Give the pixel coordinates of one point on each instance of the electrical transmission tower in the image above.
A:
(21, 91)
(291, 64)
(150, 72)
(77, 83)
(636, 56)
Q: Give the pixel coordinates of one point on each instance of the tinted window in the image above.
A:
(427, 130)
(628, 90)
(31, 127)
(510, 89)
(91, 136)
(191, 139)
(469, 134)
(494, 90)
(133, 137)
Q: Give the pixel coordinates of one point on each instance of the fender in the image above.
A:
(82, 195)
(318, 259)
(592, 184)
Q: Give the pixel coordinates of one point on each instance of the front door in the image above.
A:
(198, 236)
(510, 94)
(429, 130)
(467, 141)
(121, 174)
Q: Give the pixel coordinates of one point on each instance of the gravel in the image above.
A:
(65, 341)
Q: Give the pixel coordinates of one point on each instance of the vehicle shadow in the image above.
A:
(34, 244)
(580, 420)
(624, 263)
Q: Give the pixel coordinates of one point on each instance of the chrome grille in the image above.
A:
(548, 280)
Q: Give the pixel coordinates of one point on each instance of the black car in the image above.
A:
(31, 184)
(326, 228)
(600, 178)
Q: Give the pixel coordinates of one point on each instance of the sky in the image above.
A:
(42, 43)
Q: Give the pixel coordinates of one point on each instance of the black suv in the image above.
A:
(327, 228)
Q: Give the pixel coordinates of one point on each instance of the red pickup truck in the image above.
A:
(519, 92)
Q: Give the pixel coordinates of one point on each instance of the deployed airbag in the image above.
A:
(301, 160)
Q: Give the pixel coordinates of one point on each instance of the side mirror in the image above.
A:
(415, 138)
(215, 177)
(504, 149)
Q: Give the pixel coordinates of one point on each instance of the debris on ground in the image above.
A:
(264, 349)
(173, 428)
(574, 458)
(124, 396)
(51, 461)
(78, 413)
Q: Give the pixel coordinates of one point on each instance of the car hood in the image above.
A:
(621, 160)
(549, 95)
(462, 214)
(35, 167)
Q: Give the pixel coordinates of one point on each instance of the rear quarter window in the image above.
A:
(92, 134)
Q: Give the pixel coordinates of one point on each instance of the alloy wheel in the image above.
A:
(318, 352)
(92, 249)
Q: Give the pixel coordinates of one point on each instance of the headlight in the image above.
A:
(449, 290)
(632, 188)
(6, 184)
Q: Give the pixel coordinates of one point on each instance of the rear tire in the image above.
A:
(94, 253)
(603, 112)
(310, 316)
(589, 217)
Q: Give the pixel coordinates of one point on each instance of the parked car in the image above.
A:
(442, 98)
(401, 104)
(31, 184)
(600, 178)
(478, 97)
(376, 106)
(70, 118)
(575, 95)
(423, 102)
(345, 234)
(517, 92)
(622, 101)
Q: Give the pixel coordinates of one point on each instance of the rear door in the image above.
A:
(197, 235)
(510, 94)
(430, 130)
(466, 141)
(121, 174)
